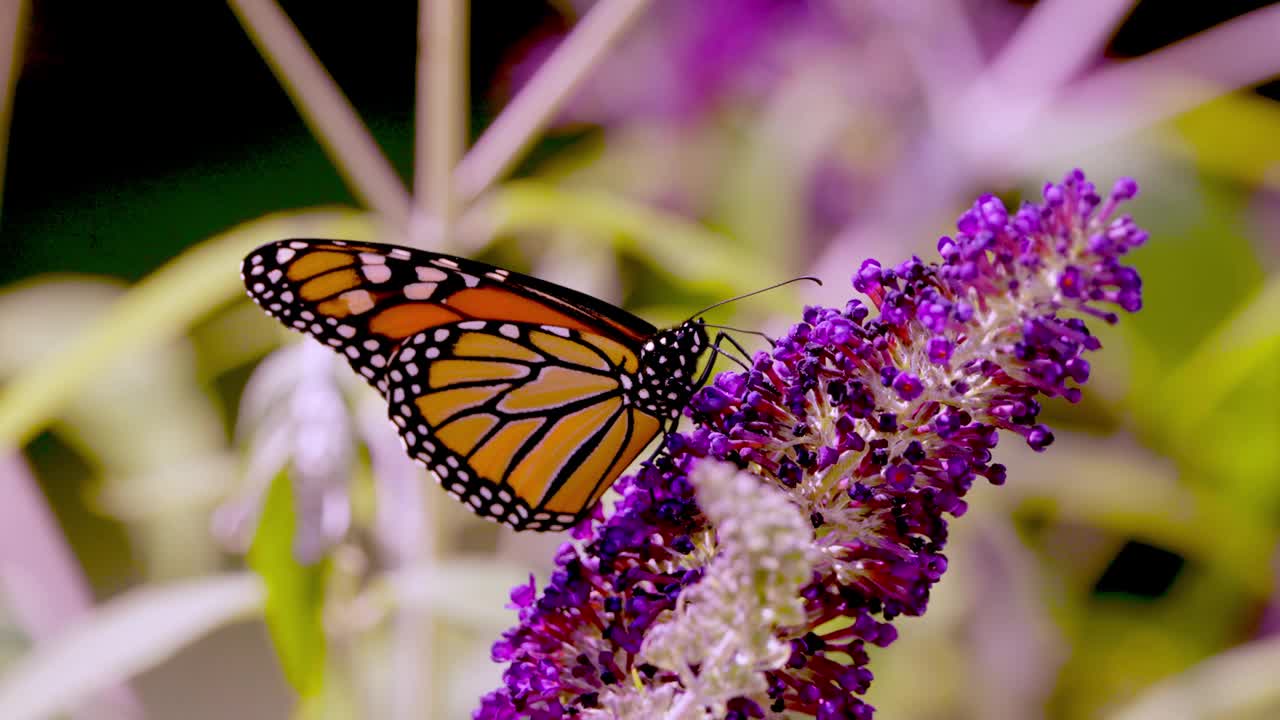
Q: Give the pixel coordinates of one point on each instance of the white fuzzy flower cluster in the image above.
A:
(724, 634)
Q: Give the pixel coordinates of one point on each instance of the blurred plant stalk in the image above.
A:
(13, 14)
(42, 581)
(325, 109)
(1038, 102)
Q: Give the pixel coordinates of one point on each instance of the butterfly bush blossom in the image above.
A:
(872, 427)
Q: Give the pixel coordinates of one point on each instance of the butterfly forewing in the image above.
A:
(364, 299)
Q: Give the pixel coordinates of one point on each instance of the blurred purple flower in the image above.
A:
(696, 56)
(874, 429)
(847, 111)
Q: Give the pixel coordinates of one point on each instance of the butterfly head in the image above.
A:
(669, 368)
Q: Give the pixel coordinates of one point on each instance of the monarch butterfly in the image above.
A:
(526, 399)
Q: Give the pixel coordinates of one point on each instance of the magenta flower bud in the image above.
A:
(939, 350)
(908, 386)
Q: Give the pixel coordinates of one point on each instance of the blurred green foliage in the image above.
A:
(294, 591)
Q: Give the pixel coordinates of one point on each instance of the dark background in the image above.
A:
(123, 106)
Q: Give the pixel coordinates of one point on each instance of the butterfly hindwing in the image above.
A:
(527, 424)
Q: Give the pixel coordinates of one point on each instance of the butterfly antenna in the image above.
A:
(756, 292)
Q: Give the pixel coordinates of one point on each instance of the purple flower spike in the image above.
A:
(754, 591)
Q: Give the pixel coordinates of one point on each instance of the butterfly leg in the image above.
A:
(667, 428)
(715, 348)
(746, 355)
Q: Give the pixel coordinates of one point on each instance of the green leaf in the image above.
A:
(295, 592)
(1238, 683)
(1200, 266)
(1118, 486)
(1245, 343)
(679, 247)
(1237, 135)
(159, 307)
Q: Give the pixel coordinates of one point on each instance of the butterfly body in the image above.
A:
(526, 399)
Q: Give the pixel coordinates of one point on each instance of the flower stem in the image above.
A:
(13, 17)
(325, 109)
(506, 140)
(441, 132)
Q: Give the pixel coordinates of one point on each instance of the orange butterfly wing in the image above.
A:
(509, 388)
